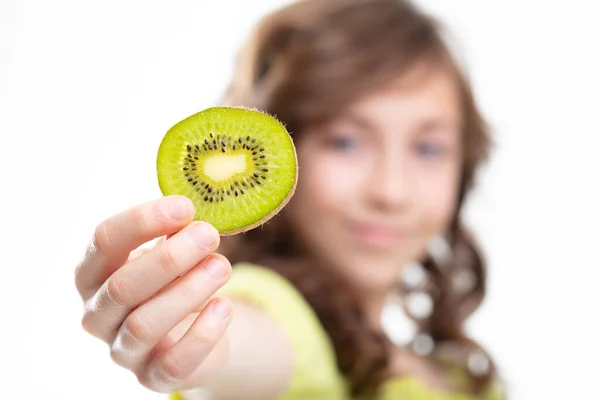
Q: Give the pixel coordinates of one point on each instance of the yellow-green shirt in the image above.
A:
(316, 375)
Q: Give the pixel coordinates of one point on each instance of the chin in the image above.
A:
(372, 273)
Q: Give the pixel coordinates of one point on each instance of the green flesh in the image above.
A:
(263, 169)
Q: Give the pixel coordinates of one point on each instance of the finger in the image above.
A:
(145, 276)
(117, 236)
(146, 247)
(167, 341)
(168, 371)
(148, 324)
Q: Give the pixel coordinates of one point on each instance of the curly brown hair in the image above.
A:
(304, 64)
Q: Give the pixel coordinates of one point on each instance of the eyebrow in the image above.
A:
(357, 120)
(431, 124)
(436, 124)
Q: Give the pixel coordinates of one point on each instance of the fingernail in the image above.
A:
(216, 269)
(178, 209)
(221, 309)
(203, 235)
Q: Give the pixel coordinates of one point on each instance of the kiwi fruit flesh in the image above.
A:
(238, 166)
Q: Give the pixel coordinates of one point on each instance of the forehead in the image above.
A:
(421, 96)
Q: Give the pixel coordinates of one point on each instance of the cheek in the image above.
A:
(327, 183)
(437, 201)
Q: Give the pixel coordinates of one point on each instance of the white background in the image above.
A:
(87, 89)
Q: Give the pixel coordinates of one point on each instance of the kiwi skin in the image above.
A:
(280, 206)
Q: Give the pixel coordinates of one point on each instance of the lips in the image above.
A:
(378, 235)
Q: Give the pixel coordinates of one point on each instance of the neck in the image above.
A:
(373, 311)
(373, 302)
(373, 299)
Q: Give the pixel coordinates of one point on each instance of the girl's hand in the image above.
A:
(135, 303)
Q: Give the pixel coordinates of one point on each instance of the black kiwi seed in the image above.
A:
(185, 168)
(206, 141)
(234, 146)
(209, 189)
(255, 175)
(263, 156)
(214, 142)
(223, 143)
(241, 191)
(254, 153)
(189, 147)
(236, 193)
(247, 138)
(251, 184)
(223, 149)
(190, 179)
(211, 135)
(265, 170)
(221, 198)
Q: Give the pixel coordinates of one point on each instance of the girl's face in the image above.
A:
(378, 182)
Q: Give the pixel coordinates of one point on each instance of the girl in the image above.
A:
(389, 139)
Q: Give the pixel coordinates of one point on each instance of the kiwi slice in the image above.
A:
(237, 165)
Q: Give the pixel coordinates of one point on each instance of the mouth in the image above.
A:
(378, 235)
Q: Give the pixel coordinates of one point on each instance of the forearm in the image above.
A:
(254, 360)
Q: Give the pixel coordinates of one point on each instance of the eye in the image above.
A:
(428, 149)
(342, 143)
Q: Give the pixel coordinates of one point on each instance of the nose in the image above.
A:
(390, 182)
